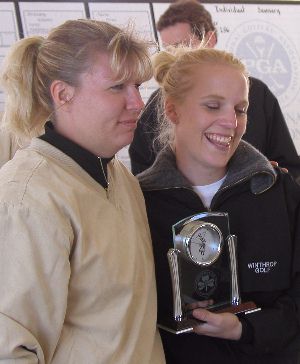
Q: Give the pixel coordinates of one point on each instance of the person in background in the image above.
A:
(77, 280)
(188, 22)
(205, 166)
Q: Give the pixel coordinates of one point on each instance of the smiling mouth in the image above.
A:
(218, 139)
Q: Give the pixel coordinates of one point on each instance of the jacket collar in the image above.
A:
(247, 163)
(95, 167)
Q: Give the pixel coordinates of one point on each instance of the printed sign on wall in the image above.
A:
(40, 18)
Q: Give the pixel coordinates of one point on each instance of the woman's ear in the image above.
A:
(61, 92)
(170, 111)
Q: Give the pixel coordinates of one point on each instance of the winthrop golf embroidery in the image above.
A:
(269, 55)
(262, 267)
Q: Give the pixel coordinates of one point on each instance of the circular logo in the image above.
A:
(206, 283)
(270, 56)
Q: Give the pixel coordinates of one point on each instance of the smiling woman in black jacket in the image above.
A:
(205, 166)
(189, 22)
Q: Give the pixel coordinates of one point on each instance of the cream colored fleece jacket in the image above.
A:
(77, 279)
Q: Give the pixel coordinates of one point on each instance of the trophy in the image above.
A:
(203, 267)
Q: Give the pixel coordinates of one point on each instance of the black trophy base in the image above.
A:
(242, 308)
(179, 327)
(186, 325)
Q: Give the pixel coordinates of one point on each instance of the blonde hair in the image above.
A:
(174, 70)
(69, 50)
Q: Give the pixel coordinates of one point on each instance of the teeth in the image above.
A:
(221, 139)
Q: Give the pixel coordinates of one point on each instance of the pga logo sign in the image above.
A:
(270, 56)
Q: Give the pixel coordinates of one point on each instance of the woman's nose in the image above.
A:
(230, 120)
(135, 101)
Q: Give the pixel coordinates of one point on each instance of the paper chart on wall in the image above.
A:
(8, 34)
(267, 38)
(137, 15)
(38, 18)
(122, 14)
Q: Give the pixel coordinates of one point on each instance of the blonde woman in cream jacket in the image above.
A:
(77, 279)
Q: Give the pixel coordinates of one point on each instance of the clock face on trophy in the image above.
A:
(203, 267)
(202, 242)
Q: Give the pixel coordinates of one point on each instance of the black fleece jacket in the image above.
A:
(264, 213)
(266, 130)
